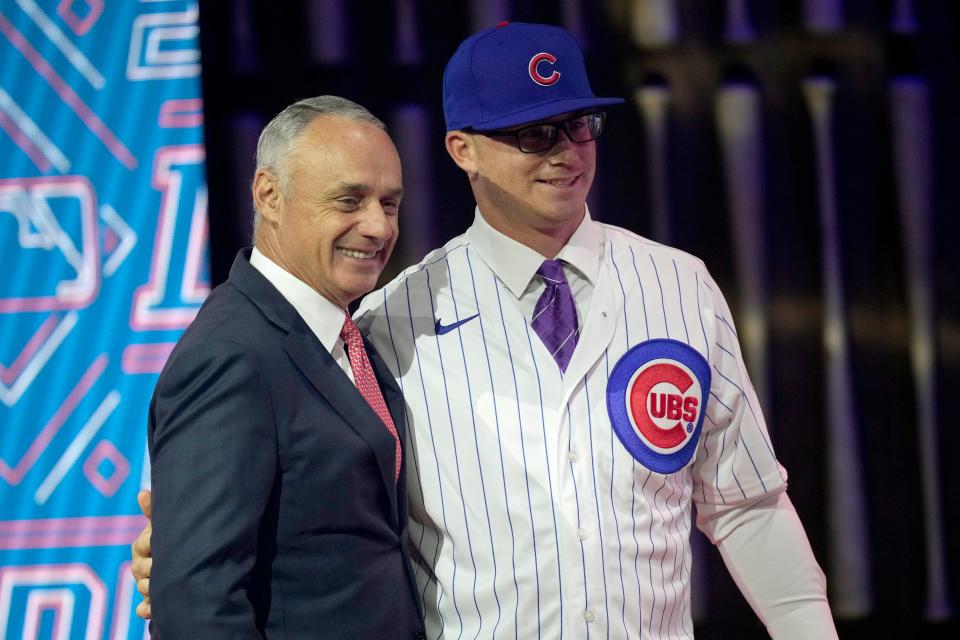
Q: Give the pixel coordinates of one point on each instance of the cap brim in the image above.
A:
(542, 111)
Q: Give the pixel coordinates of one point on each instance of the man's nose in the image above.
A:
(375, 222)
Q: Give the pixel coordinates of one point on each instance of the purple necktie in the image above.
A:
(555, 316)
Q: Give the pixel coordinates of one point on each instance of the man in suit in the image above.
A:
(275, 433)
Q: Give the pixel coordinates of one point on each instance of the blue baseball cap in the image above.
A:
(513, 74)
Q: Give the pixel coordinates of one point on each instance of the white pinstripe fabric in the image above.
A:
(529, 519)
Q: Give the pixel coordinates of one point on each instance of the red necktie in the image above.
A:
(367, 384)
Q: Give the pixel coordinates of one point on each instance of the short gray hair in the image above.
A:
(279, 137)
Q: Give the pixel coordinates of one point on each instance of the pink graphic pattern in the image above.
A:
(108, 485)
(25, 143)
(123, 605)
(46, 576)
(83, 290)
(71, 208)
(14, 475)
(146, 358)
(80, 26)
(181, 113)
(147, 312)
(59, 533)
(60, 602)
(68, 95)
(9, 374)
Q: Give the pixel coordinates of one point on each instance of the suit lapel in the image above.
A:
(391, 392)
(330, 382)
(325, 374)
(398, 410)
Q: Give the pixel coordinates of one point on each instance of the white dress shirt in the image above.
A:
(517, 263)
(323, 317)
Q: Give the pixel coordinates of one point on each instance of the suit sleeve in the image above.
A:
(213, 451)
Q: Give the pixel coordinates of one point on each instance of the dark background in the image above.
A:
(260, 55)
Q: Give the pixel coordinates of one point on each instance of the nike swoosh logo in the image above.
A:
(447, 328)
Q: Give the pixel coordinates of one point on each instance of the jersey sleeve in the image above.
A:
(735, 460)
(764, 546)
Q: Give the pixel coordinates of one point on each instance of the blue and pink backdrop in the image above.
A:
(103, 225)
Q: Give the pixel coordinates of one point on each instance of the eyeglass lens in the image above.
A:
(541, 137)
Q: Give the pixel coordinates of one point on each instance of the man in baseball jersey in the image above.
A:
(573, 389)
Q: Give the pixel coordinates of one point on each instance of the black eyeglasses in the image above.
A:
(537, 138)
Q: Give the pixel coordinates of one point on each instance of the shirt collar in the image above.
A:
(323, 317)
(515, 263)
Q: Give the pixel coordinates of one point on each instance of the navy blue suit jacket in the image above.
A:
(274, 504)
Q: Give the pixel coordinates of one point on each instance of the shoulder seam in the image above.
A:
(657, 245)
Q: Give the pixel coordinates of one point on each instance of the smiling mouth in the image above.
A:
(354, 253)
(562, 182)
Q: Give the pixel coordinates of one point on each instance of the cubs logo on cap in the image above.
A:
(656, 399)
(534, 69)
(487, 82)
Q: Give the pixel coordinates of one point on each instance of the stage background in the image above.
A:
(807, 150)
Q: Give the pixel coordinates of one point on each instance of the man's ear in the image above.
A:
(463, 149)
(266, 194)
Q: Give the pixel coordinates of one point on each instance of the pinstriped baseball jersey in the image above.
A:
(530, 518)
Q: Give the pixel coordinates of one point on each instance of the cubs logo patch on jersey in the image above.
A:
(656, 398)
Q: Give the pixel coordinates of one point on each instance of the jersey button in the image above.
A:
(589, 615)
(582, 534)
(572, 456)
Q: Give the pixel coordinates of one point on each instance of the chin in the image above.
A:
(358, 289)
(564, 212)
